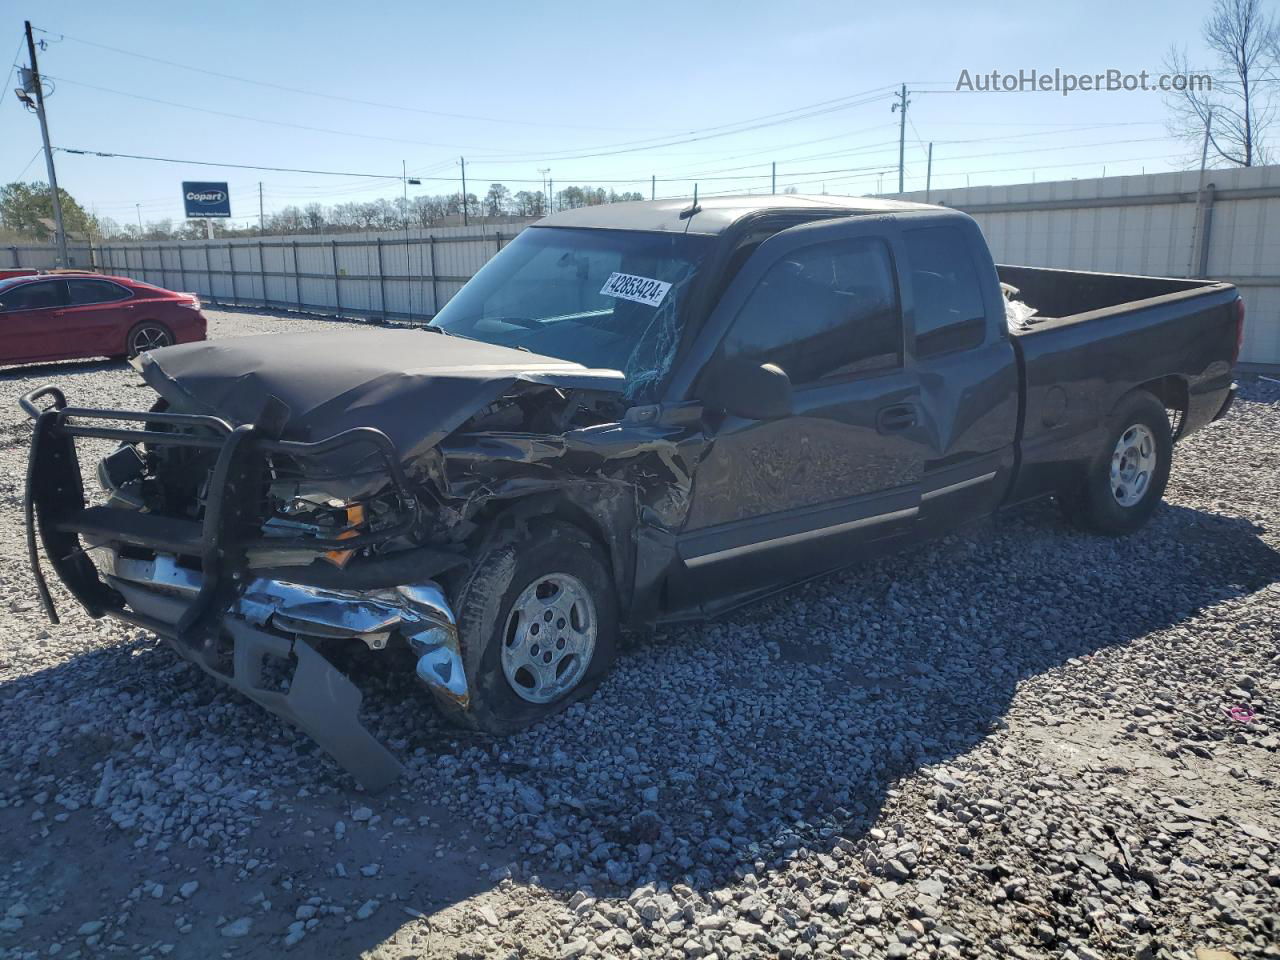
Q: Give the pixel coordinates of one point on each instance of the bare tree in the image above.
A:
(1246, 43)
(530, 203)
(315, 216)
(497, 199)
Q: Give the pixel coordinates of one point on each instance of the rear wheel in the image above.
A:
(538, 622)
(148, 335)
(1123, 484)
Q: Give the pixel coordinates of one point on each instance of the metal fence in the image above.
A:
(1162, 224)
(401, 275)
(43, 256)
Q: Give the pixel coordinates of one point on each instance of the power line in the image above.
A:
(359, 101)
(263, 120)
(39, 150)
(585, 179)
(706, 133)
(703, 136)
(709, 133)
(235, 166)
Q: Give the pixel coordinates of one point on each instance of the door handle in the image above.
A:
(896, 418)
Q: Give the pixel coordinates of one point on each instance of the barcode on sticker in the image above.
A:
(626, 286)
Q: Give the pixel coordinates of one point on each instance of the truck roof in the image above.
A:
(716, 214)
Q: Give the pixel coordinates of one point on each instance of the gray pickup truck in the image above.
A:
(633, 414)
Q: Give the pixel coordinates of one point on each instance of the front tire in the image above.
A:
(538, 623)
(1124, 483)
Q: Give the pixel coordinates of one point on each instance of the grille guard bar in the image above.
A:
(54, 497)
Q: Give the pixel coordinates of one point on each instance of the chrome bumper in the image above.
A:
(419, 613)
(273, 619)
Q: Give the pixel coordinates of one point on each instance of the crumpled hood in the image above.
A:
(415, 386)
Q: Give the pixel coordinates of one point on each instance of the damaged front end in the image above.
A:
(273, 506)
(221, 577)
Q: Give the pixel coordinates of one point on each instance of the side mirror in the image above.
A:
(749, 390)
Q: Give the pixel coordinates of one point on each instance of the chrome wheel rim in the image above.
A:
(150, 338)
(549, 639)
(1132, 464)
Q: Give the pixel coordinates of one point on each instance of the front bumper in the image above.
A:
(265, 647)
(192, 587)
(1227, 402)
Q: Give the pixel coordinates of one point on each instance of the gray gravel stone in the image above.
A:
(1017, 741)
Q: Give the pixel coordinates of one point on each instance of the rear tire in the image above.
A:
(538, 622)
(1124, 483)
(148, 335)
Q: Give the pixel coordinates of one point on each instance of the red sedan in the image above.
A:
(68, 316)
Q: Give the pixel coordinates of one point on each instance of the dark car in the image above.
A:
(68, 316)
(633, 414)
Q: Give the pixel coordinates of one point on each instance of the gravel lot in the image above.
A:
(1017, 741)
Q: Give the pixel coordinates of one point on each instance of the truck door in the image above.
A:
(959, 344)
(775, 500)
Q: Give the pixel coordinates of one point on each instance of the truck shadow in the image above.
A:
(711, 750)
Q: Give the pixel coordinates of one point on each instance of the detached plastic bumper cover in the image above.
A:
(1226, 404)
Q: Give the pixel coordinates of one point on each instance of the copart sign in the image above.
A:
(204, 200)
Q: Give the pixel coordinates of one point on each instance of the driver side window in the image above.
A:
(824, 311)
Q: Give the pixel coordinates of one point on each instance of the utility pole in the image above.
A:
(928, 176)
(262, 218)
(901, 107)
(138, 207)
(546, 208)
(463, 161)
(551, 196)
(773, 178)
(38, 92)
(1198, 225)
(653, 186)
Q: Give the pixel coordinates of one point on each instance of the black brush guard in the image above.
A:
(320, 699)
(56, 510)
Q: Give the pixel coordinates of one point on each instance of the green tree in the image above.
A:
(24, 207)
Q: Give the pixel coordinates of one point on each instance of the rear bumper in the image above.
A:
(183, 581)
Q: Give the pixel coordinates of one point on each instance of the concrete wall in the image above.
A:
(1153, 224)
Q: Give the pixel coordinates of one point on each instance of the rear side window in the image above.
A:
(828, 310)
(31, 296)
(950, 314)
(84, 292)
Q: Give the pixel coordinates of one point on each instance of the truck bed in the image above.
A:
(1062, 294)
(1096, 337)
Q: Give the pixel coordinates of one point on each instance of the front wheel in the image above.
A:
(538, 623)
(1123, 484)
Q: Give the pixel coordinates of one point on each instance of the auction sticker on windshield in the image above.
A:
(627, 286)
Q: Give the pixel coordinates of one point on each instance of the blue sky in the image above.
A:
(587, 90)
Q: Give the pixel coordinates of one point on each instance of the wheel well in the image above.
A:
(511, 518)
(146, 321)
(1172, 392)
